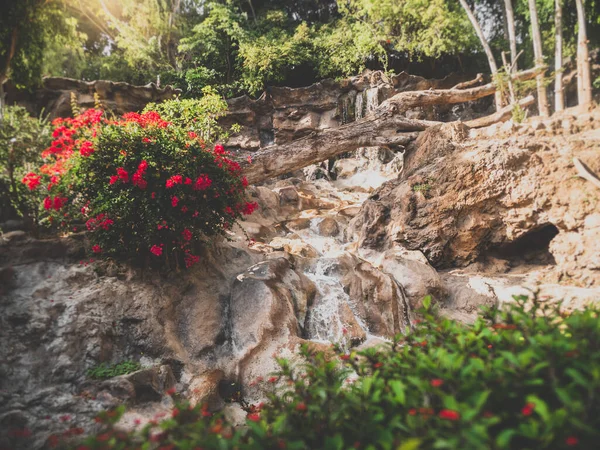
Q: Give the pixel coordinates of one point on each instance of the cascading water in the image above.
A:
(372, 99)
(325, 321)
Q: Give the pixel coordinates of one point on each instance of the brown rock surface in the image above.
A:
(515, 196)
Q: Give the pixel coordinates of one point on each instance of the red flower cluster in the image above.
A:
(249, 208)
(56, 203)
(202, 183)
(86, 149)
(31, 180)
(436, 382)
(63, 146)
(146, 120)
(449, 414)
(527, 410)
(190, 260)
(100, 221)
(138, 176)
(156, 250)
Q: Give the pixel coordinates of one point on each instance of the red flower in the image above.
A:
(571, 441)
(86, 149)
(436, 382)
(448, 414)
(113, 179)
(249, 208)
(192, 135)
(123, 174)
(272, 380)
(31, 180)
(156, 250)
(301, 406)
(528, 409)
(171, 391)
(47, 203)
(97, 249)
(344, 357)
(219, 150)
(146, 140)
(249, 159)
(202, 183)
(254, 417)
(175, 412)
(153, 195)
(174, 201)
(378, 365)
(188, 180)
(175, 179)
(412, 411)
(187, 234)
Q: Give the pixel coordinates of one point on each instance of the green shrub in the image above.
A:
(527, 376)
(145, 185)
(104, 371)
(22, 138)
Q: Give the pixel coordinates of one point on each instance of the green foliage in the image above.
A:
(525, 376)
(196, 115)
(421, 187)
(104, 371)
(22, 138)
(417, 27)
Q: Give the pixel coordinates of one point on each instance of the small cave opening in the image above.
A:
(532, 247)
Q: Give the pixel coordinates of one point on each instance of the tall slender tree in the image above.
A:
(539, 59)
(486, 48)
(559, 98)
(584, 79)
(512, 36)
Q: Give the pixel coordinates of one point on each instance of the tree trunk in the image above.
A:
(559, 98)
(539, 59)
(512, 36)
(486, 48)
(385, 126)
(584, 79)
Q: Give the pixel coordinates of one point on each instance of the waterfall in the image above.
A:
(372, 99)
(358, 105)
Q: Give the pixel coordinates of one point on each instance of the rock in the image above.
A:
(204, 390)
(54, 97)
(298, 224)
(294, 246)
(344, 168)
(151, 384)
(380, 301)
(288, 195)
(485, 196)
(262, 319)
(328, 227)
(349, 211)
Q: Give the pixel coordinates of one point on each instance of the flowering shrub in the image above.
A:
(141, 185)
(22, 138)
(525, 377)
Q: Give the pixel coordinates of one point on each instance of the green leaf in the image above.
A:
(503, 439)
(427, 302)
(410, 444)
(398, 389)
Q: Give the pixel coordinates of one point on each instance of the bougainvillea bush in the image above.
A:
(527, 377)
(142, 185)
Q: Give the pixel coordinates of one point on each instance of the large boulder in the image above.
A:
(513, 196)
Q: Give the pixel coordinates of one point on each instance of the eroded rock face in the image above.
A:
(512, 195)
(54, 97)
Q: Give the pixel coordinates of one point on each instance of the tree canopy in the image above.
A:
(241, 46)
